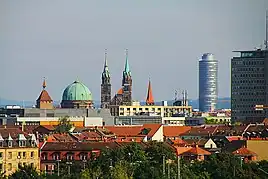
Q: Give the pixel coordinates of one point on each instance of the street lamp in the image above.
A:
(58, 161)
(69, 167)
(84, 162)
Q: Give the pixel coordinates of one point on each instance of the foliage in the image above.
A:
(64, 125)
(25, 172)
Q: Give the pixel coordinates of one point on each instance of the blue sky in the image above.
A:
(63, 40)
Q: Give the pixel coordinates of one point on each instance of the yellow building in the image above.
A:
(137, 109)
(259, 147)
(17, 148)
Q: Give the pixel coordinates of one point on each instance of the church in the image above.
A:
(124, 94)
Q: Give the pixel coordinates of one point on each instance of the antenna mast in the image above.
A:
(266, 30)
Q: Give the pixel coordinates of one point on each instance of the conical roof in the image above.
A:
(150, 98)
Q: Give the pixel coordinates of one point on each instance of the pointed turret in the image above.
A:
(44, 83)
(150, 98)
(44, 100)
(127, 69)
(105, 73)
(105, 84)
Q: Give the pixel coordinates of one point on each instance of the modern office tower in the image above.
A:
(208, 82)
(249, 80)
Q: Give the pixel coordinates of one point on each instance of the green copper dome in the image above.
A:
(77, 91)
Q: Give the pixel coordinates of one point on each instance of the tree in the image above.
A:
(119, 171)
(64, 125)
(25, 172)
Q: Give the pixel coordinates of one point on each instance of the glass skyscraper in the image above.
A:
(208, 83)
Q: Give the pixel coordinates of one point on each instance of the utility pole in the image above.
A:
(58, 167)
(164, 167)
(179, 168)
(168, 170)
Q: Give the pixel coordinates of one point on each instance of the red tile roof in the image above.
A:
(232, 138)
(178, 142)
(60, 138)
(201, 131)
(77, 146)
(122, 131)
(174, 131)
(120, 91)
(244, 152)
(196, 151)
(44, 96)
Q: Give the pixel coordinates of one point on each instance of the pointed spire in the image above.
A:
(44, 83)
(150, 98)
(105, 62)
(127, 69)
(105, 72)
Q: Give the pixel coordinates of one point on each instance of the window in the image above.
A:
(33, 143)
(24, 163)
(1, 143)
(1, 167)
(44, 156)
(9, 143)
(19, 155)
(32, 154)
(56, 156)
(24, 154)
(22, 143)
(1, 154)
(9, 166)
(83, 156)
(9, 155)
(32, 165)
(69, 157)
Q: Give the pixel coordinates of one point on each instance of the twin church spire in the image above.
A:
(124, 95)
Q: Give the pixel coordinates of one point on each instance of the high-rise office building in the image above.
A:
(208, 82)
(249, 80)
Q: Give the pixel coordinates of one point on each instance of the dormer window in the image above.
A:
(22, 143)
(1, 141)
(56, 156)
(22, 140)
(83, 156)
(33, 140)
(9, 141)
(70, 156)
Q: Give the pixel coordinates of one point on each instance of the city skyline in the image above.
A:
(68, 43)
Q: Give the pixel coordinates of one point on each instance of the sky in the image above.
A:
(64, 40)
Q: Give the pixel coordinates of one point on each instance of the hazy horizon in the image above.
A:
(63, 40)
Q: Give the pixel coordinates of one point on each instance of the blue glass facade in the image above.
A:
(208, 82)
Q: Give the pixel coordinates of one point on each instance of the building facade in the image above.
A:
(164, 111)
(106, 86)
(249, 74)
(17, 148)
(208, 82)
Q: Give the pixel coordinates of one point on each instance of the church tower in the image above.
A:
(127, 84)
(105, 85)
(44, 100)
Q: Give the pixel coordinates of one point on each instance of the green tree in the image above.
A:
(64, 125)
(25, 172)
(119, 171)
